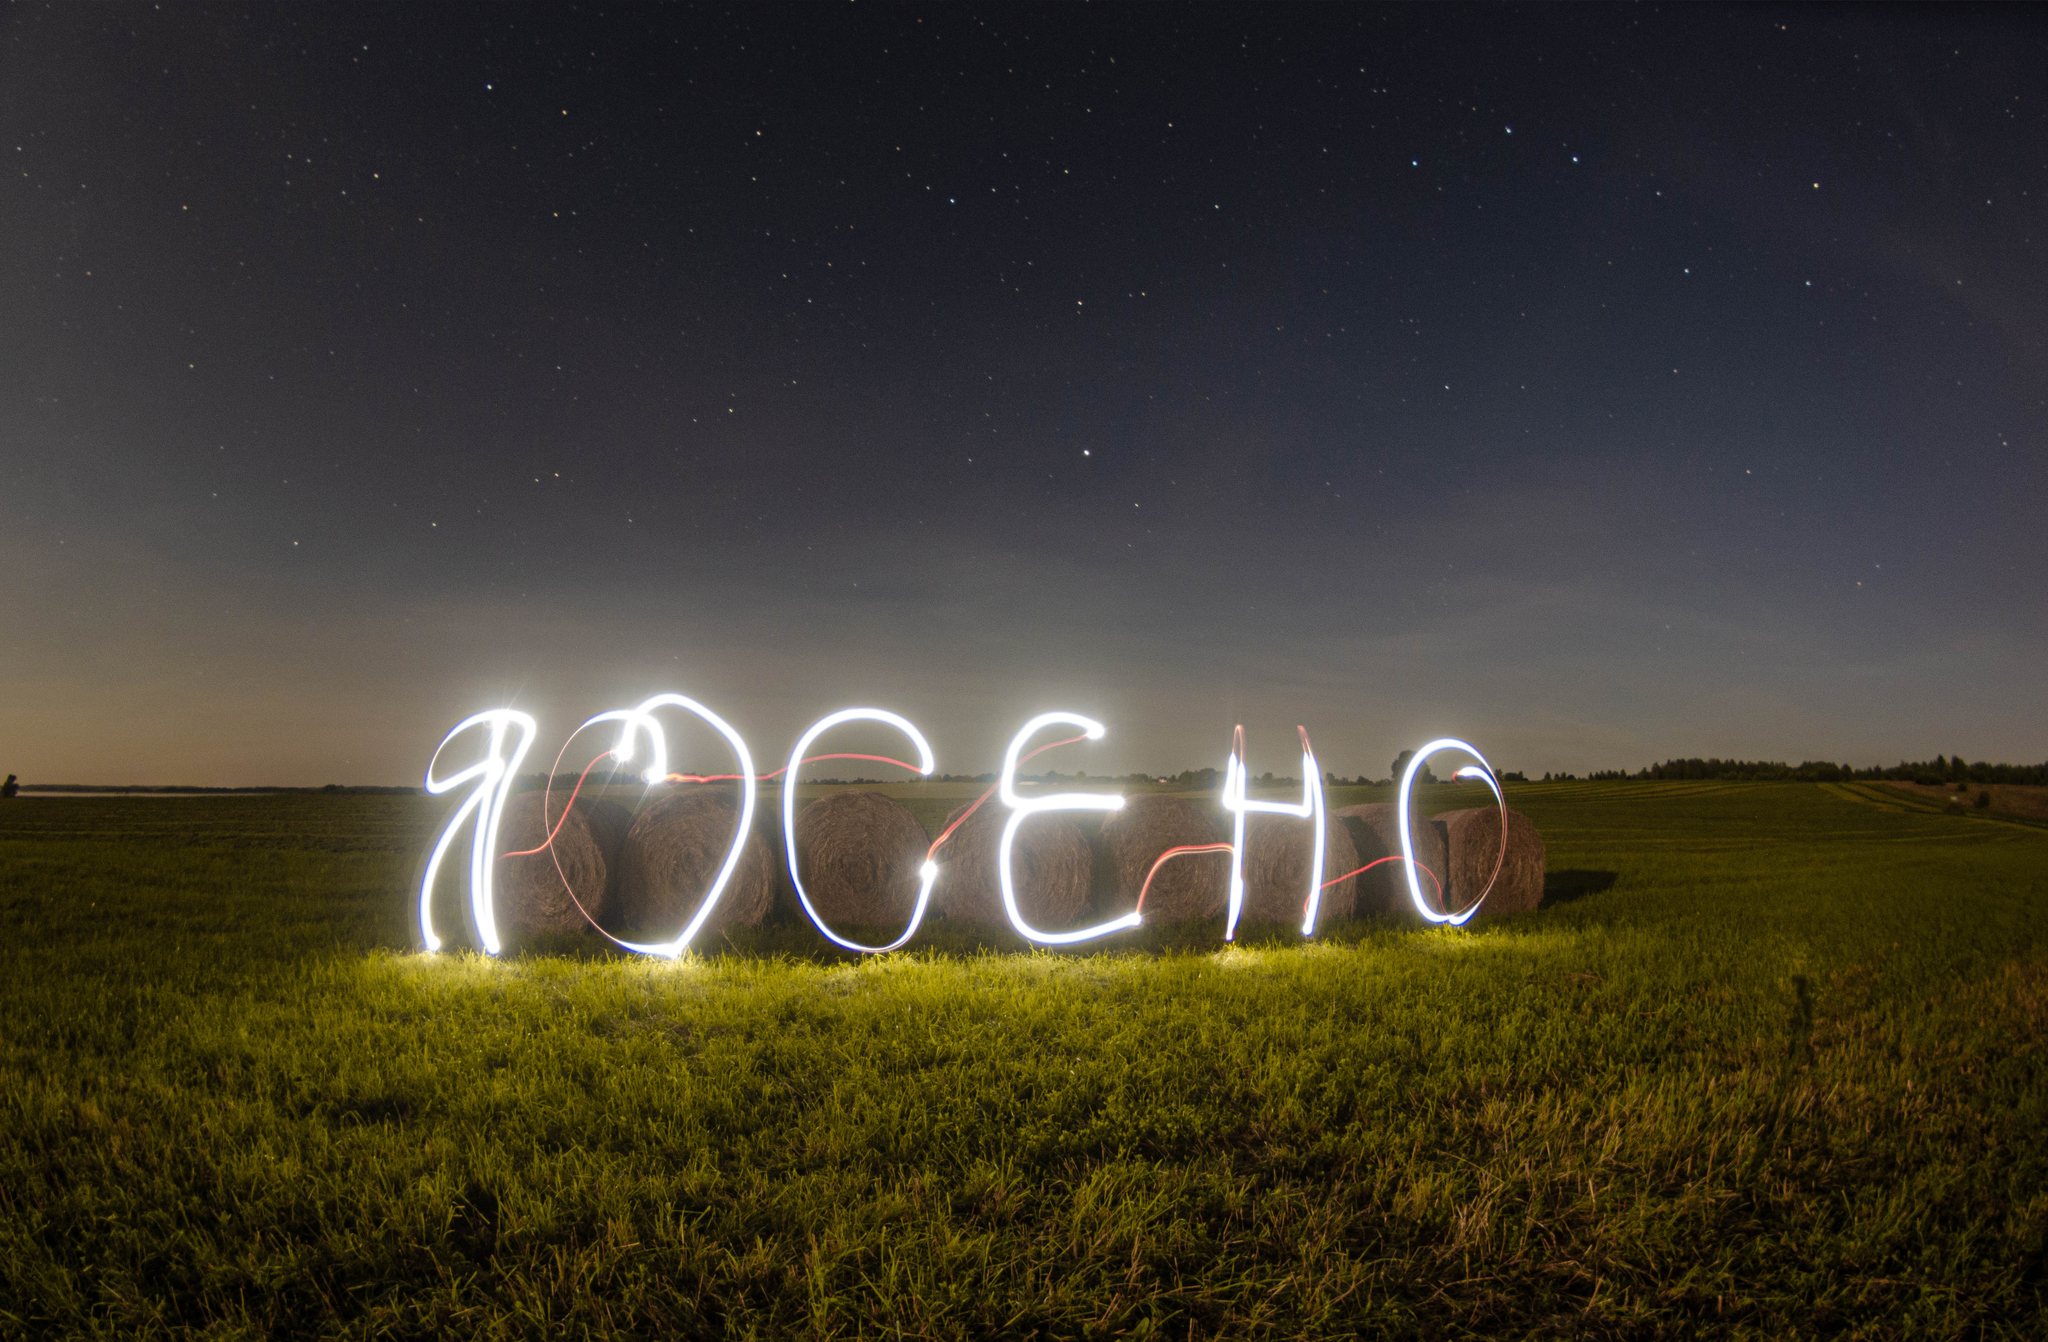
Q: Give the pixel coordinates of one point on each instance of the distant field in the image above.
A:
(2008, 800)
(1771, 1061)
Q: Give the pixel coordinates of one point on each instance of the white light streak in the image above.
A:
(657, 744)
(1483, 771)
(512, 733)
(495, 772)
(639, 716)
(1310, 808)
(1022, 808)
(928, 873)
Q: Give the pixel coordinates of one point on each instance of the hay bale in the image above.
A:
(1474, 838)
(782, 905)
(670, 857)
(860, 853)
(1195, 885)
(1376, 833)
(1049, 869)
(1278, 851)
(528, 892)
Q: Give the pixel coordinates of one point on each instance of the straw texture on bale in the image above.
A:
(860, 853)
(1474, 837)
(670, 857)
(1193, 885)
(782, 905)
(527, 893)
(1376, 832)
(1279, 852)
(1049, 869)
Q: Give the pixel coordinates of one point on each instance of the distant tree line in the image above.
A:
(1940, 769)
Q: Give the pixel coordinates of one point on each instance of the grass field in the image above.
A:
(1769, 1062)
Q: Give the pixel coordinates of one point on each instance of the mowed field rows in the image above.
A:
(1771, 1060)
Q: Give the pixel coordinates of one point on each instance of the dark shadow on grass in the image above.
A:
(1562, 887)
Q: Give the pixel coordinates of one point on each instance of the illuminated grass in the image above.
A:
(1785, 1076)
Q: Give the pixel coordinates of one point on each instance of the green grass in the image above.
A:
(1783, 1075)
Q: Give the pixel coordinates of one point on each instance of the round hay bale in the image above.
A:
(1278, 853)
(528, 894)
(1474, 838)
(782, 904)
(1194, 885)
(1049, 869)
(860, 853)
(1376, 833)
(670, 857)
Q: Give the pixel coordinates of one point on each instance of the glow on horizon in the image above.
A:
(927, 874)
(1023, 808)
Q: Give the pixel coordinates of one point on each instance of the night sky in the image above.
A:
(1599, 384)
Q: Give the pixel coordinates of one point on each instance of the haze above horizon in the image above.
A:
(1596, 385)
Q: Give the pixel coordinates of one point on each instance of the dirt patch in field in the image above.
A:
(2008, 798)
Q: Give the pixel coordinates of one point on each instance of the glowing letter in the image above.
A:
(1021, 808)
(1310, 809)
(1484, 772)
(639, 716)
(495, 772)
(928, 873)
